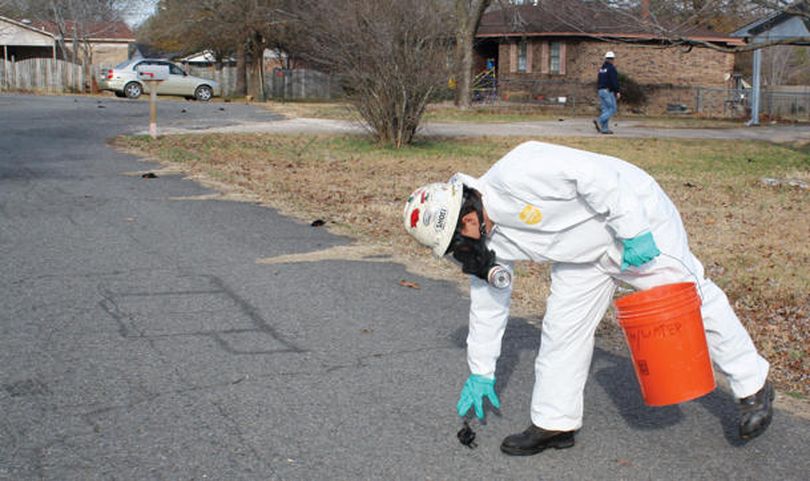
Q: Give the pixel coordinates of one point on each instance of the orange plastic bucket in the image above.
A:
(663, 328)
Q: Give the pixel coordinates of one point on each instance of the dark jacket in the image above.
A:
(608, 77)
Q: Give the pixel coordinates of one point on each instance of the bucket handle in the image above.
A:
(697, 281)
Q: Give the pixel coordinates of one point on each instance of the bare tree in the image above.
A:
(9, 8)
(242, 28)
(777, 63)
(467, 17)
(180, 27)
(391, 54)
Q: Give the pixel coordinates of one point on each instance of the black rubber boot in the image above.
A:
(534, 439)
(756, 412)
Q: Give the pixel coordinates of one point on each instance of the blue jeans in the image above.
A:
(608, 103)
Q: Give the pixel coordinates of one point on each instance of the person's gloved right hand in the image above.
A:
(472, 395)
(639, 250)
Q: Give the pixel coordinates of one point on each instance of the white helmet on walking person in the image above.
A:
(610, 54)
(431, 214)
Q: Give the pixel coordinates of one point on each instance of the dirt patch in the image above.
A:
(354, 252)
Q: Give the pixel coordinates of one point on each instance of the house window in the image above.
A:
(523, 57)
(555, 49)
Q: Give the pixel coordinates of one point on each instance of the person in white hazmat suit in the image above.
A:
(599, 220)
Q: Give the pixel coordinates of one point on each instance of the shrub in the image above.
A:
(632, 91)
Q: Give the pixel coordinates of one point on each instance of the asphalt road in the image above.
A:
(140, 340)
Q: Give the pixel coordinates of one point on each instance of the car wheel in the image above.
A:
(203, 93)
(133, 90)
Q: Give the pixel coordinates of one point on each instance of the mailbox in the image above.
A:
(153, 72)
(152, 75)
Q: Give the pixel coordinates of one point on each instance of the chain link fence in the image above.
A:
(790, 103)
(787, 103)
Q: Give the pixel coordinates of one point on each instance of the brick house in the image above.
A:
(541, 55)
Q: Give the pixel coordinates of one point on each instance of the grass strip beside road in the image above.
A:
(500, 112)
(751, 237)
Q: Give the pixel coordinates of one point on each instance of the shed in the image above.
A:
(21, 40)
(790, 26)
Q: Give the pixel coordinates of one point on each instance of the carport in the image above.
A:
(778, 29)
(22, 41)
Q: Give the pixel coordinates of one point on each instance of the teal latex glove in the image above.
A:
(472, 395)
(639, 250)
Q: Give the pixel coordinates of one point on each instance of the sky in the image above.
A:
(139, 12)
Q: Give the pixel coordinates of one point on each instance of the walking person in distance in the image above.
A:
(608, 90)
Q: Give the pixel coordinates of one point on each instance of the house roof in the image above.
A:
(205, 56)
(15, 33)
(769, 24)
(577, 18)
(27, 25)
(115, 31)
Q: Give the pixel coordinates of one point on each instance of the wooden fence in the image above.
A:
(280, 84)
(300, 84)
(225, 77)
(43, 74)
(60, 76)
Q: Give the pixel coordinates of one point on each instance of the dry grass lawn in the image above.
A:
(752, 238)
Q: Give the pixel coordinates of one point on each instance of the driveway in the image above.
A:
(564, 127)
(141, 339)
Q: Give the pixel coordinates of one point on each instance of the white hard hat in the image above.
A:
(431, 214)
(610, 54)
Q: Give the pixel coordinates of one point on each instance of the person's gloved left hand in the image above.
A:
(639, 250)
(472, 395)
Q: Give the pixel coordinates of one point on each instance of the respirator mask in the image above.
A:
(473, 255)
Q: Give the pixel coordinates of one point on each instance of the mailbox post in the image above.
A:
(152, 75)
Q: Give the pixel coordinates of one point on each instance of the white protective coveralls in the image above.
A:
(556, 204)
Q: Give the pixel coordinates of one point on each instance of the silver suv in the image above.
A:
(123, 81)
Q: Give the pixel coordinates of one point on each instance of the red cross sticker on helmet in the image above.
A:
(414, 218)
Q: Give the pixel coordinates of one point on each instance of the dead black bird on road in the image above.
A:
(466, 436)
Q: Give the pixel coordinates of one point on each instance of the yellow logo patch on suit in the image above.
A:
(530, 215)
